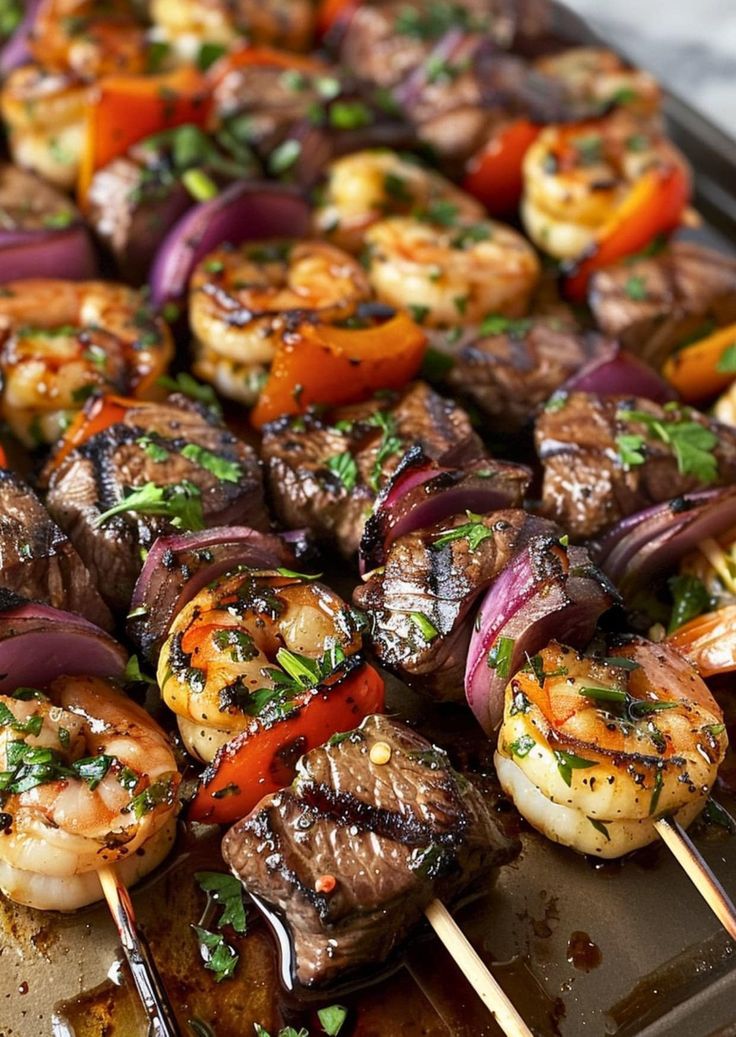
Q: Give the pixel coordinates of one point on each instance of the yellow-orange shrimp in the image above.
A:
(593, 751)
(87, 779)
(221, 650)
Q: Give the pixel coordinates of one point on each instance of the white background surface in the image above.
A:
(689, 44)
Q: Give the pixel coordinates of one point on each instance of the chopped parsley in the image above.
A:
(180, 502)
(691, 443)
(636, 288)
(727, 361)
(220, 467)
(690, 598)
(350, 115)
(332, 1018)
(442, 211)
(153, 450)
(600, 827)
(285, 156)
(216, 953)
(474, 531)
(30, 726)
(188, 386)
(495, 324)
(501, 656)
(227, 892)
(569, 762)
(522, 746)
(425, 626)
(389, 444)
(160, 792)
(344, 467)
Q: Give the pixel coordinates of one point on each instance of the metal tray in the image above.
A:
(649, 958)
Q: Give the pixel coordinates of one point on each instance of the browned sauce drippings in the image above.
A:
(582, 953)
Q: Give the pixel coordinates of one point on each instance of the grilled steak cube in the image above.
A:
(608, 457)
(179, 448)
(653, 305)
(391, 835)
(420, 603)
(324, 471)
(511, 372)
(38, 561)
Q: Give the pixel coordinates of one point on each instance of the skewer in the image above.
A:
(475, 971)
(697, 870)
(146, 977)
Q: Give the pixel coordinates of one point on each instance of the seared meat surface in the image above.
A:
(392, 835)
(511, 372)
(176, 444)
(324, 471)
(420, 603)
(38, 561)
(652, 305)
(608, 457)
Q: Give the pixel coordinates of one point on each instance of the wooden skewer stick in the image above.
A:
(146, 977)
(475, 971)
(697, 870)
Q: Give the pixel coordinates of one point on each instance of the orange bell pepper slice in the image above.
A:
(330, 12)
(99, 413)
(494, 175)
(653, 206)
(246, 56)
(324, 364)
(702, 369)
(709, 641)
(126, 108)
(3, 457)
(263, 759)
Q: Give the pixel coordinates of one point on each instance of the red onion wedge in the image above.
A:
(66, 254)
(244, 211)
(649, 544)
(422, 492)
(16, 51)
(614, 372)
(547, 591)
(178, 567)
(39, 643)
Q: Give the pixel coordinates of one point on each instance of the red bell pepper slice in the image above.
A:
(100, 413)
(494, 175)
(324, 364)
(653, 206)
(265, 56)
(126, 108)
(331, 12)
(262, 760)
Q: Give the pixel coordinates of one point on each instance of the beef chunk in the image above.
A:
(393, 836)
(608, 457)
(420, 603)
(510, 372)
(324, 471)
(654, 304)
(38, 561)
(170, 444)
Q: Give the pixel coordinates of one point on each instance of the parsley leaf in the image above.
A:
(501, 655)
(495, 324)
(691, 443)
(426, 628)
(220, 467)
(188, 386)
(569, 762)
(727, 361)
(218, 956)
(30, 726)
(345, 468)
(690, 598)
(522, 746)
(226, 891)
(630, 450)
(636, 288)
(180, 502)
(332, 1018)
(474, 531)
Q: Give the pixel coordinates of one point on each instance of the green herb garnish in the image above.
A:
(181, 503)
(569, 762)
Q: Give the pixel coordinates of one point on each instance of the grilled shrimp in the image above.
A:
(593, 751)
(219, 659)
(575, 177)
(87, 779)
(598, 78)
(241, 300)
(88, 38)
(62, 341)
(44, 113)
(449, 275)
(363, 187)
(279, 23)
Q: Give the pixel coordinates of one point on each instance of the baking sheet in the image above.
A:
(622, 949)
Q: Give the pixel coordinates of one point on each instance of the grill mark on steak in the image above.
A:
(392, 835)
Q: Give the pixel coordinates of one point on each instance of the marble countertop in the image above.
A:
(689, 44)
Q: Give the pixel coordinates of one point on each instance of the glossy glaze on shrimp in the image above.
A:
(597, 77)
(87, 779)
(279, 23)
(241, 301)
(451, 273)
(89, 38)
(366, 186)
(63, 341)
(576, 176)
(220, 655)
(593, 751)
